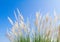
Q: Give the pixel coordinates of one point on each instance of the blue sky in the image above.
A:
(27, 8)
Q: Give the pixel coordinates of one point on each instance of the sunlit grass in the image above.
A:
(43, 29)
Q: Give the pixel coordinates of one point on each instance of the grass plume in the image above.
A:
(45, 29)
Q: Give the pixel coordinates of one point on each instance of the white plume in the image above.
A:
(10, 20)
(19, 14)
(15, 15)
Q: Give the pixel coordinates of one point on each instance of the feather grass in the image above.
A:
(44, 28)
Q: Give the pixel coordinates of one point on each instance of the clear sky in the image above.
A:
(27, 8)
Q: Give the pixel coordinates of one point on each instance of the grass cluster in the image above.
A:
(42, 29)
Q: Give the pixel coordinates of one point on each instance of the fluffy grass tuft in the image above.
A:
(43, 29)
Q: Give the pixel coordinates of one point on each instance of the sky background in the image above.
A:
(27, 8)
